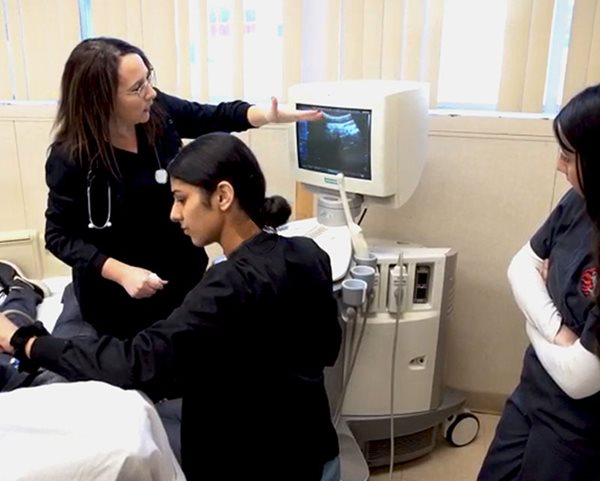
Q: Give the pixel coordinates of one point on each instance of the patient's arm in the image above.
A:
(530, 292)
(575, 369)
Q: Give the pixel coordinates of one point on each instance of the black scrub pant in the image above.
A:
(526, 450)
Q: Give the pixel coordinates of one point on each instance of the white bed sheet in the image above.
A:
(51, 306)
(82, 431)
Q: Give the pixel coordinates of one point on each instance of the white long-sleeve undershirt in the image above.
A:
(530, 292)
(575, 369)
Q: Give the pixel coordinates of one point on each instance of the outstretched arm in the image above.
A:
(259, 116)
(150, 360)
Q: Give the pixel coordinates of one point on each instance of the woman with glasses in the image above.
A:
(550, 426)
(109, 198)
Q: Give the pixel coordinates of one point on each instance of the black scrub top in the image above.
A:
(566, 240)
(141, 233)
(251, 341)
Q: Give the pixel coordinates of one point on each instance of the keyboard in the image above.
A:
(333, 240)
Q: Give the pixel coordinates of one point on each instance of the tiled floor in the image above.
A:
(446, 463)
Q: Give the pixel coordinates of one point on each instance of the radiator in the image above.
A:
(22, 247)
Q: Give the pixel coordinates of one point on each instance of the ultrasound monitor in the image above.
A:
(372, 131)
(340, 143)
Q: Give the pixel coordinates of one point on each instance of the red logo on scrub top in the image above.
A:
(589, 281)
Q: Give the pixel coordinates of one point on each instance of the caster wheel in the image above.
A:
(461, 429)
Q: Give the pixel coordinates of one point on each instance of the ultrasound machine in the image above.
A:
(387, 392)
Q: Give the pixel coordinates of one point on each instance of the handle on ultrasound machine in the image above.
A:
(359, 244)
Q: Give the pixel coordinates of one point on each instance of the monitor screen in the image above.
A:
(341, 142)
(374, 132)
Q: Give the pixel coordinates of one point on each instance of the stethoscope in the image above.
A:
(160, 176)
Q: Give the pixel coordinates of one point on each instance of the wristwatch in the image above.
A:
(19, 340)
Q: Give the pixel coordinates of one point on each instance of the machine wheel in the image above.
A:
(461, 429)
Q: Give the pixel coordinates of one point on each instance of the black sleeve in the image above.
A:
(155, 355)
(560, 217)
(66, 212)
(193, 119)
(318, 332)
(332, 332)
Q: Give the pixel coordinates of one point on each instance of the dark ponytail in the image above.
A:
(275, 212)
(217, 157)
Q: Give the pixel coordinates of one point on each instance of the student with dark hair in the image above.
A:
(550, 426)
(249, 343)
(109, 199)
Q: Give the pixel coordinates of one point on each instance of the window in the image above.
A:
(260, 38)
(473, 43)
(559, 49)
(263, 49)
(505, 55)
(85, 18)
(471, 56)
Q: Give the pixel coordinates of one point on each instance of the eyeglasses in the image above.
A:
(140, 90)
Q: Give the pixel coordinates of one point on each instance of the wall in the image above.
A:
(487, 185)
(24, 138)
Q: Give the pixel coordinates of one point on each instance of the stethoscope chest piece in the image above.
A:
(161, 176)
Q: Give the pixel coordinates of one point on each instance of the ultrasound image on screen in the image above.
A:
(340, 142)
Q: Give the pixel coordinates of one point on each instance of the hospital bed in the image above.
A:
(81, 430)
